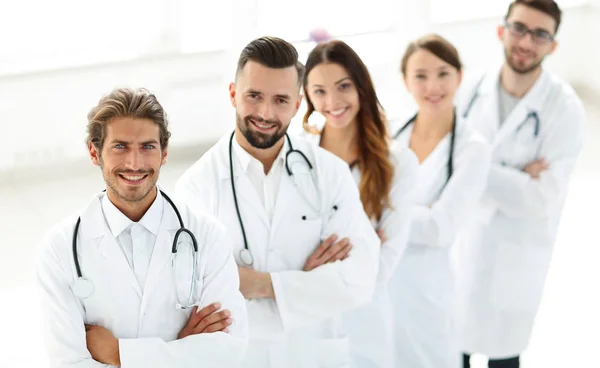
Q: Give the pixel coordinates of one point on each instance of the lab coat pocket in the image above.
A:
(333, 353)
(299, 244)
(519, 275)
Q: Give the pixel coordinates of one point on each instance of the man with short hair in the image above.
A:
(534, 122)
(112, 293)
(306, 249)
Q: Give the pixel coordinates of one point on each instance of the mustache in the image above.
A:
(134, 172)
(258, 119)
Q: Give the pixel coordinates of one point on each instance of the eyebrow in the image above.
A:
(279, 95)
(338, 82)
(537, 29)
(151, 141)
(440, 68)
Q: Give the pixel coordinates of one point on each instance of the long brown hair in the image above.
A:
(374, 162)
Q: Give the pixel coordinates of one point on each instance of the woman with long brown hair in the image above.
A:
(454, 165)
(338, 86)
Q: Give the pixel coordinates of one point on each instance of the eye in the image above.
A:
(119, 146)
(254, 96)
(420, 76)
(282, 101)
(318, 92)
(345, 86)
(149, 146)
(543, 35)
(444, 74)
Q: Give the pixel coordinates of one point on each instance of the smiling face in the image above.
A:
(266, 99)
(130, 159)
(333, 94)
(524, 53)
(431, 81)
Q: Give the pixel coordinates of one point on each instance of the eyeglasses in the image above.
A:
(538, 36)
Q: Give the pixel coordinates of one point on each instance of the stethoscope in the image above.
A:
(530, 115)
(450, 165)
(84, 288)
(245, 254)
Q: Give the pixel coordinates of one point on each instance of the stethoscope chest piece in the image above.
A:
(83, 288)
(246, 257)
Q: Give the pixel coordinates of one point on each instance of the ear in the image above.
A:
(94, 154)
(232, 94)
(500, 33)
(165, 152)
(298, 103)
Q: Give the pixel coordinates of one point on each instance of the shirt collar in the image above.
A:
(246, 159)
(118, 222)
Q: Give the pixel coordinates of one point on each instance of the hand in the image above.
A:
(102, 345)
(381, 235)
(329, 252)
(255, 284)
(207, 320)
(535, 168)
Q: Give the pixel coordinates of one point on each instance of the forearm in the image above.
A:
(517, 194)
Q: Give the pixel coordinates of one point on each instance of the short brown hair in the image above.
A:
(435, 44)
(271, 52)
(126, 102)
(549, 7)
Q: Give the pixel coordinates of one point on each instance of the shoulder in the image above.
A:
(206, 167)
(205, 226)
(57, 242)
(471, 143)
(562, 95)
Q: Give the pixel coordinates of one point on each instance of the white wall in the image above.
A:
(43, 115)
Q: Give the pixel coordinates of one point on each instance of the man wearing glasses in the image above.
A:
(534, 122)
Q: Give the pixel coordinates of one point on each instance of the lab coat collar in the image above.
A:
(533, 100)
(245, 159)
(117, 221)
(94, 225)
(241, 156)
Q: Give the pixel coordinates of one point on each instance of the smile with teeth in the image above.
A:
(262, 125)
(133, 178)
(338, 112)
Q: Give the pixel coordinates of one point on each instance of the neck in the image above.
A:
(518, 84)
(341, 142)
(434, 124)
(266, 156)
(134, 210)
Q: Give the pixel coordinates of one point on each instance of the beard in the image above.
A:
(520, 68)
(259, 139)
(129, 195)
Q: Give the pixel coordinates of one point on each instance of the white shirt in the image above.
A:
(266, 185)
(506, 102)
(136, 239)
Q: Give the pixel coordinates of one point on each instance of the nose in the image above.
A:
(526, 41)
(133, 160)
(433, 85)
(265, 111)
(331, 100)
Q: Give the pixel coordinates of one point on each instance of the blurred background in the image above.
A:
(57, 58)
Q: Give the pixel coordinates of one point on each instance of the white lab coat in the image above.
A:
(146, 321)
(370, 326)
(509, 249)
(423, 287)
(302, 326)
